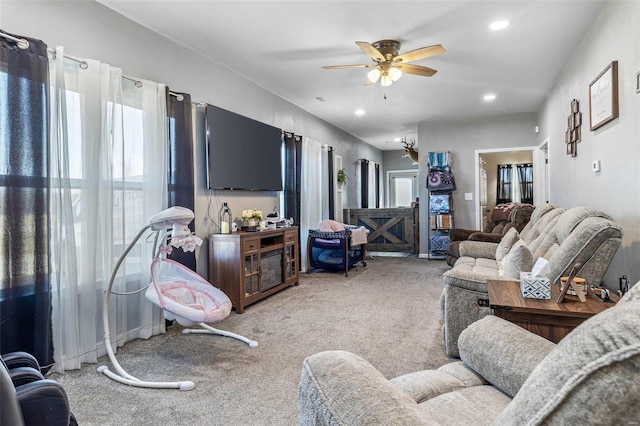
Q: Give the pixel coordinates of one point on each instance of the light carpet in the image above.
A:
(386, 312)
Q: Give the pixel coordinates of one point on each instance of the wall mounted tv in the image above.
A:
(242, 153)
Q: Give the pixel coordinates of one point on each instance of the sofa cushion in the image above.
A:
(477, 405)
(539, 227)
(510, 238)
(519, 259)
(476, 266)
(427, 384)
(591, 377)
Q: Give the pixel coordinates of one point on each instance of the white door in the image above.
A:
(403, 188)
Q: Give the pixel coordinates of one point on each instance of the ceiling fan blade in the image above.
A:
(422, 53)
(336, 67)
(416, 70)
(371, 51)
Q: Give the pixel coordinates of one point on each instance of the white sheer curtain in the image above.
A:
(108, 160)
(516, 196)
(311, 204)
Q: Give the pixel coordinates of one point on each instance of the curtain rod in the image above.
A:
(21, 42)
(84, 65)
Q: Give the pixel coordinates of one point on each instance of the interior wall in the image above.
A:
(462, 138)
(615, 190)
(89, 29)
(393, 160)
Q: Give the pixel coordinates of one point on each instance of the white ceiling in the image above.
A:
(282, 46)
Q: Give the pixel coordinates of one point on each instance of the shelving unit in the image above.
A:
(440, 184)
(441, 221)
(249, 266)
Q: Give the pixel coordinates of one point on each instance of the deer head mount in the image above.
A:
(409, 151)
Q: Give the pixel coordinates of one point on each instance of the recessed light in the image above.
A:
(359, 112)
(397, 139)
(499, 25)
(489, 97)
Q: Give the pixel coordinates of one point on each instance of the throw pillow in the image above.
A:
(519, 259)
(508, 240)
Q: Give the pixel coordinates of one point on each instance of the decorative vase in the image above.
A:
(252, 223)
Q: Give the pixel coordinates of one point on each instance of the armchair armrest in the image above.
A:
(460, 234)
(502, 352)
(485, 237)
(338, 387)
(478, 249)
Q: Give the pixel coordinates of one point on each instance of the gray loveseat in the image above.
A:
(506, 376)
(561, 236)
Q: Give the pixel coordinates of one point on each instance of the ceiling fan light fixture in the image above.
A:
(386, 80)
(374, 75)
(395, 74)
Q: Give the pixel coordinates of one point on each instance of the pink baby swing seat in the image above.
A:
(185, 296)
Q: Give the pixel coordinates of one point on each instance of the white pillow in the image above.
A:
(508, 240)
(519, 259)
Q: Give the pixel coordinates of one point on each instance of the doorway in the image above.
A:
(486, 162)
(403, 188)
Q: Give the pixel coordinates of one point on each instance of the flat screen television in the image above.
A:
(242, 153)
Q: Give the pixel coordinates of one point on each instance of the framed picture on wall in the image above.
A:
(603, 97)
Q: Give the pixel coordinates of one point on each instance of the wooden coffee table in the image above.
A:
(544, 317)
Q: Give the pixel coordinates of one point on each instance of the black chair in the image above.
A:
(27, 398)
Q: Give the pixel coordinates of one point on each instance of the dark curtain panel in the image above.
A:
(292, 176)
(377, 186)
(525, 174)
(25, 306)
(364, 183)
(332, 195)
(181, 174)
(503, 191)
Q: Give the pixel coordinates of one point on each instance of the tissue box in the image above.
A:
(534, 287)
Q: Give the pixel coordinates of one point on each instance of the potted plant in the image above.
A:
(342, 176)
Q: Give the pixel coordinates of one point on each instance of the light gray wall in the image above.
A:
(616, 189)
(89, 29)
(462, 138)
(393, 160)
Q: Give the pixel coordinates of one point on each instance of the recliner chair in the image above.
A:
(502, 218)
(27, 398)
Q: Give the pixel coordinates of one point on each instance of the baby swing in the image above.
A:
(183, 295)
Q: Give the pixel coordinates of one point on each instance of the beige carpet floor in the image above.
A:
(387, 312)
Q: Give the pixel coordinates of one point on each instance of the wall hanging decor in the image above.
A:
(603, 97)
(573, 135)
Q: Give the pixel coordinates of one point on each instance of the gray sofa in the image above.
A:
(561, 236)
(506, 376)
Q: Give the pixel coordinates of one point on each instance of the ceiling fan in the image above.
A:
(388, 64)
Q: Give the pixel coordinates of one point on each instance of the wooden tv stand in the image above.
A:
(249, 266)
